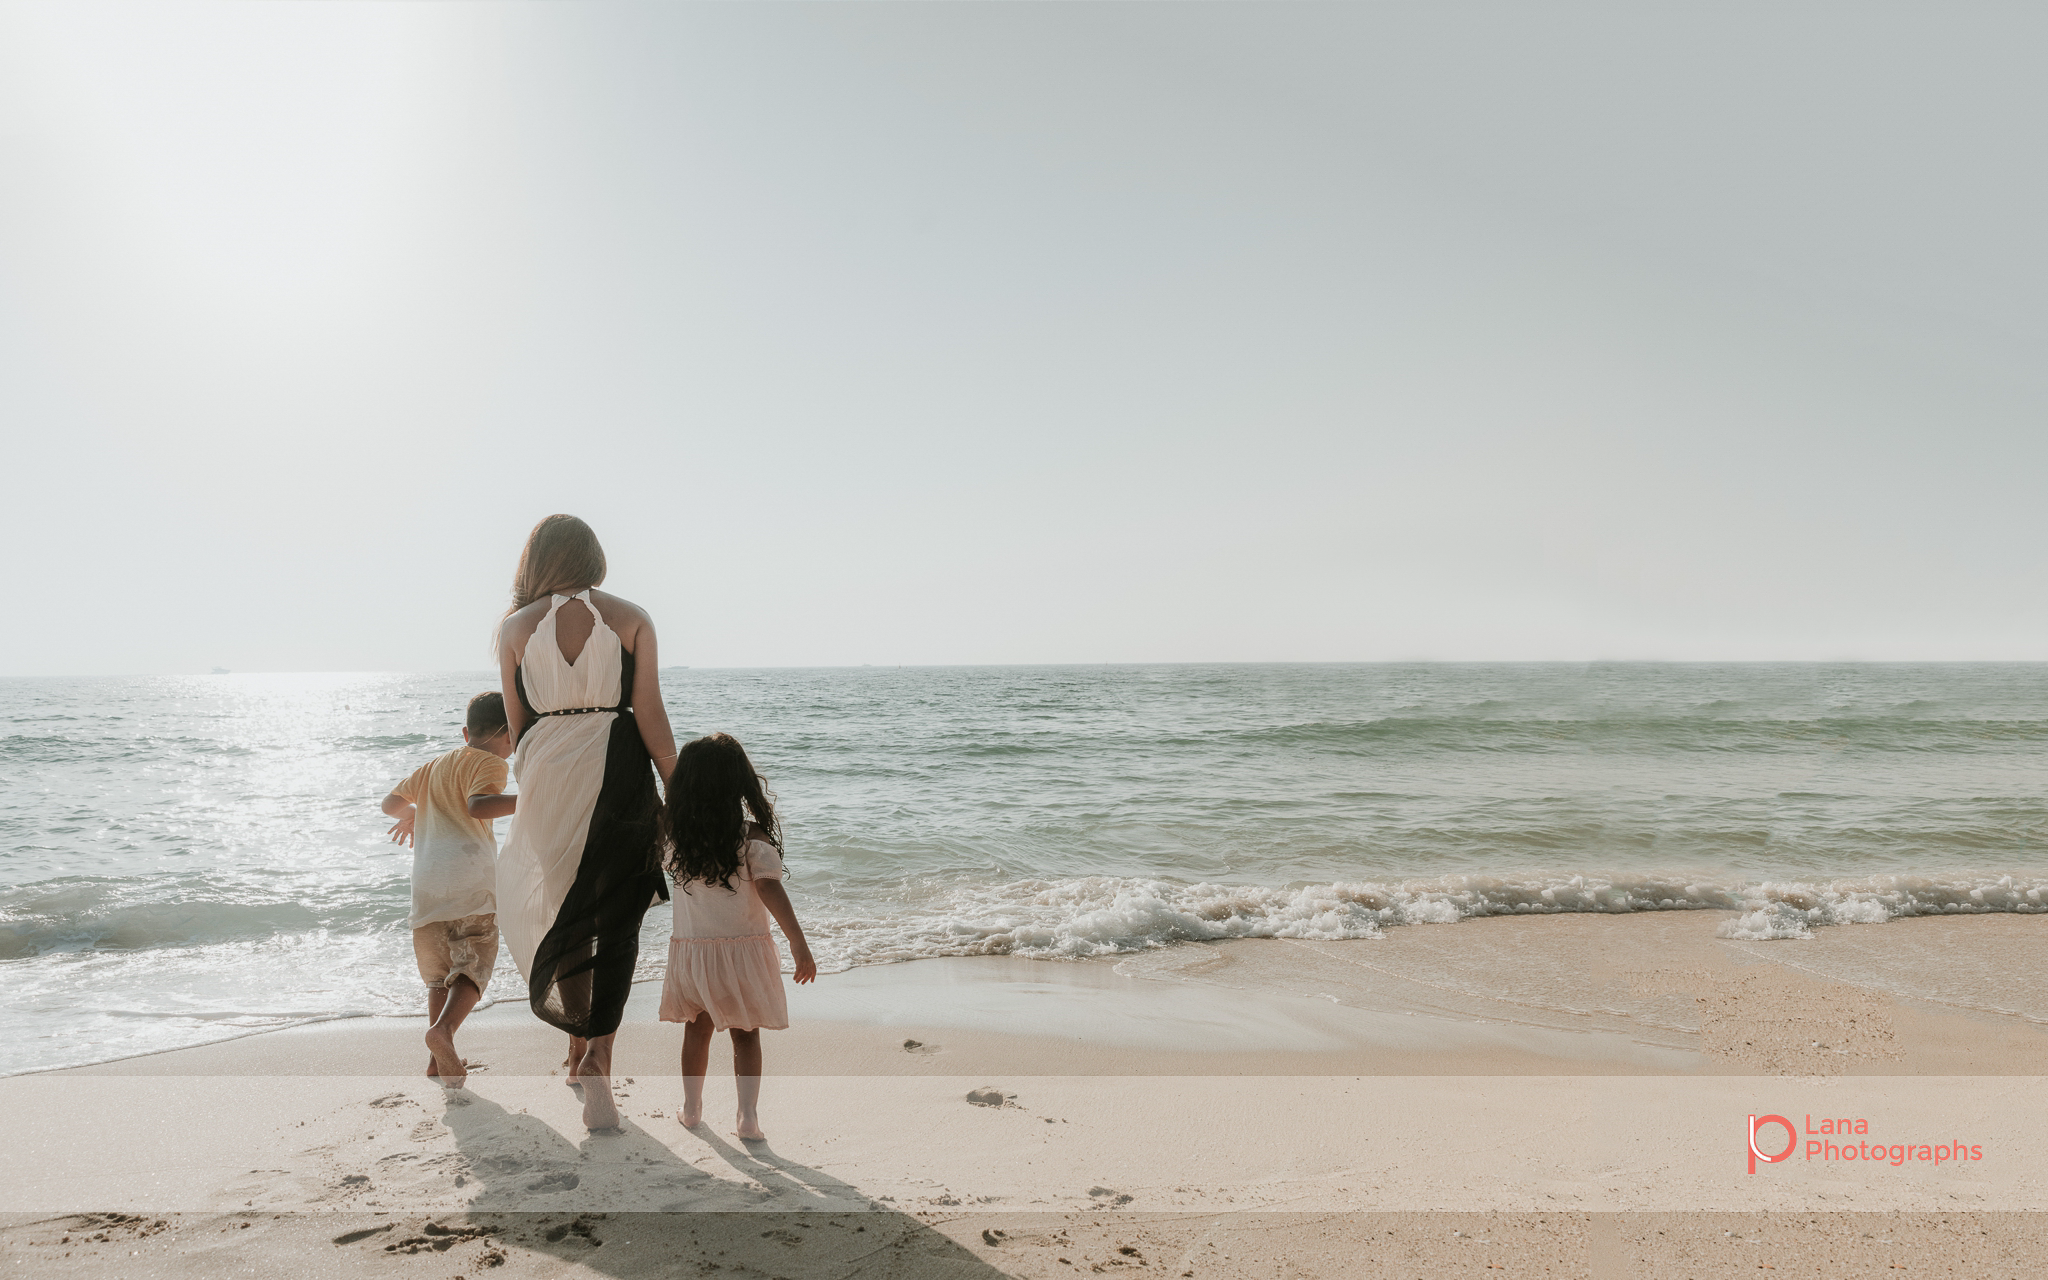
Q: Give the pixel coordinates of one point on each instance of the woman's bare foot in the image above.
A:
(748, 1130)
(689, 1118)
(432, 1070)
(451, 1069)
(599, 1111)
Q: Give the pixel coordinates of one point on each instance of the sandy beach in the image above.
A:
(1560, 1095)
(1312, 641)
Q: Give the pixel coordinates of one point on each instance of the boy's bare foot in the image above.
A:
(688, 1118)
(441, 1043)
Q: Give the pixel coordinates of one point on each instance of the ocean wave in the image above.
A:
(107, 914)
(1489, 731)
(1100, 915)
(140, 926)
(1095, 915)
(1777, 910)
(385, 742)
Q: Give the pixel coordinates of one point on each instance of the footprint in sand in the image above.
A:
(436, 1238)
(919, 1046)
(581, 1227)
(555, 1182)
(390, 1100)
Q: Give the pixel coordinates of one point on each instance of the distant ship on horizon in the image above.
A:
(220, 671)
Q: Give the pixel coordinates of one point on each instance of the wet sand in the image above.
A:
(1561, 1095)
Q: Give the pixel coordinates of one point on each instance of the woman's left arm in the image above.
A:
(648, 710)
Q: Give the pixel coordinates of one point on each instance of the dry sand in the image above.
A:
(1558, 1096)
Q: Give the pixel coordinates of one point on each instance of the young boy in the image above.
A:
(444, 811)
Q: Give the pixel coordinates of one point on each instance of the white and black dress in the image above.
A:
(583, 862)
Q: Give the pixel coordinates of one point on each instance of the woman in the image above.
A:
(583, 862)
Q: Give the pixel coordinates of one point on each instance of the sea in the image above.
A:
(186, 859)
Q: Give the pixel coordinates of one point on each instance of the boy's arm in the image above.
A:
(488, 807)
(776, 899)
(397, 806)
(487, 799)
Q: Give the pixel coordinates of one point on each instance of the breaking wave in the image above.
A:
(1101, 915)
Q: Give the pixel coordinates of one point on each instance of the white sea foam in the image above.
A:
(1099, 915)
(1781, 909)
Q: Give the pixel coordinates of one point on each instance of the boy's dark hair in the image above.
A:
(486, 717)
(711, 795)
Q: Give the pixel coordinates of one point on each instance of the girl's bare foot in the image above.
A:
(689, 1118)
(748, 1130)
(449, 1064)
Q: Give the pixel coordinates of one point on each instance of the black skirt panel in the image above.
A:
(583, 968)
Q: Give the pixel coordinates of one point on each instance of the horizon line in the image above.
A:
(993, 666)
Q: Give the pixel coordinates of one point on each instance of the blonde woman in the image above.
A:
(582, 863)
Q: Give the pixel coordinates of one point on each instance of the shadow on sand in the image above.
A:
(623, 1204)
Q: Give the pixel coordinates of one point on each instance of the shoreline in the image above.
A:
(1563, 991)
(1556, 1092)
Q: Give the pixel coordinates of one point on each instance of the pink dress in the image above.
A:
(721, 960)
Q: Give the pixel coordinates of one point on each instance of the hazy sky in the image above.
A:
(937, 333)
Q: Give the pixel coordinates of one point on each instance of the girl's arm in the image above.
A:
(648, 710)
(776, 899)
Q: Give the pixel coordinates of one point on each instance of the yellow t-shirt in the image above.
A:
(454, 856)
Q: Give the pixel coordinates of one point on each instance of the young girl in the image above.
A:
(723, 973)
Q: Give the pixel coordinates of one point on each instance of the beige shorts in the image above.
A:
(451, 949)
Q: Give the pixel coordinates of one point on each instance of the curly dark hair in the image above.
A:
(712, 794)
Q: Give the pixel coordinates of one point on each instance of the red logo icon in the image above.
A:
(1756, 1154)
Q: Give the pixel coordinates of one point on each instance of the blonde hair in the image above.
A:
(562, 555)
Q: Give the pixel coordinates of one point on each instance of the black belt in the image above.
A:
(579, 711)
